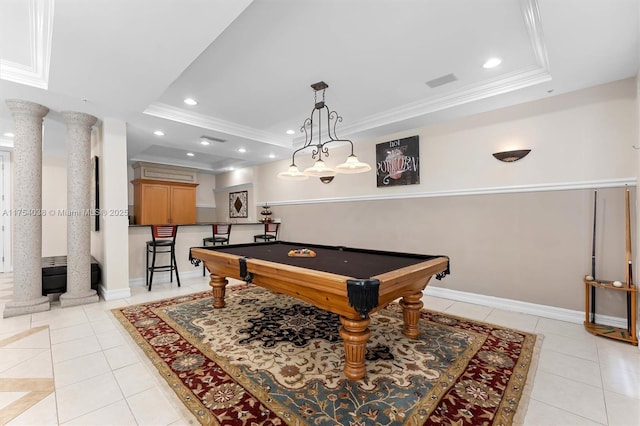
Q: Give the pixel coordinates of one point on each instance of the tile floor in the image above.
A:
(100, 378)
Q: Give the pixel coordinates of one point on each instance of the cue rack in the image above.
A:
(591, 284)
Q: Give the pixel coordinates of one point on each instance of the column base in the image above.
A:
(67, 300)
(15, 308)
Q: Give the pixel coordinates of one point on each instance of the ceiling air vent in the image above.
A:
(212, 139)
(449, 78)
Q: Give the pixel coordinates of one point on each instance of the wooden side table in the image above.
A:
(624, 334)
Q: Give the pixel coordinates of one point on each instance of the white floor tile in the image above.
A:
(39, 339)
(61, 335)
(103, 326)
(89, 395)
(10, 358)
(81, 368)
(581, 348)
(60, 318)
(571, 367)
(7, 398)
(621, 381)
(134, 379)
(44, 413)
(117, 413)
(15, 324)
(39, 366)
(513, 320)
(110, 339)
(563, 328)
(75, 348)
(568, 395)
(467, 310)
(151, 408)
(621, 359)
(121, 356)
(621, 410)
(541, 414)
(436, 303)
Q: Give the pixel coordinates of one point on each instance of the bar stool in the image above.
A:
(221, 232)
(163, 241)
(270, 232)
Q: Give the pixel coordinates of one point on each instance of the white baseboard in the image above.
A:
(119, 293)
(544, 311)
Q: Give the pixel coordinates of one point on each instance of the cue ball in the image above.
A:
(588, 278)
(617, 284)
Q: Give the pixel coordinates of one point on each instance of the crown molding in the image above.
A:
(525, 77)
(506, 83)
(533, 21)
(36, 73)
(179, 115)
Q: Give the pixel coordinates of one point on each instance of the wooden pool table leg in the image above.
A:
(218, 285)
(355, 334)
(411, 306)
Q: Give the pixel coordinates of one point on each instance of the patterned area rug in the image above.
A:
(271, 359)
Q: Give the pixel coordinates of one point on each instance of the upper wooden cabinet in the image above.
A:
(160, 202)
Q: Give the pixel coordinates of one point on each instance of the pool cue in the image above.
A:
(593, 243)
(627, 212)
(628, 256)
(593, 257)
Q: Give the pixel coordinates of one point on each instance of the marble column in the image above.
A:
(79, 291)
(27, 209)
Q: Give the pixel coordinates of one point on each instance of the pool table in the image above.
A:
(350, 282)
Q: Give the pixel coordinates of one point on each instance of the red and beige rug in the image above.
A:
(271, 359)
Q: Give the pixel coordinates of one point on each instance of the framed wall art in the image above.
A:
(398, 162)
(238, 204)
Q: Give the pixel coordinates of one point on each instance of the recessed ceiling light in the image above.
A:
(231, 169)
(9, 135)
(242, 150)
(158, 133)
(190, 154)
(272, 156)
(492, 63)
(190, 101)
(290, 132)
(205, 143)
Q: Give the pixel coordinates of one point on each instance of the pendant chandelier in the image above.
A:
(319, 148)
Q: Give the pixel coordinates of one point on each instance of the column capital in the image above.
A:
(78, 118)
(31, 109)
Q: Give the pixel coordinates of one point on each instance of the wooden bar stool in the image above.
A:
(221, 232)
(270, 232)
(163, 241)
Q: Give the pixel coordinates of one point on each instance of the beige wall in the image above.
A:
(54, 198)
(533, 247)
(519, 230)
(582, 136)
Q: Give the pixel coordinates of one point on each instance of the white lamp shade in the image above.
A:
(352, 165)
(293, 174)
(319, 170)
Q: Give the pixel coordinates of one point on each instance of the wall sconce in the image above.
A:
(511, 156)
(326, 179)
